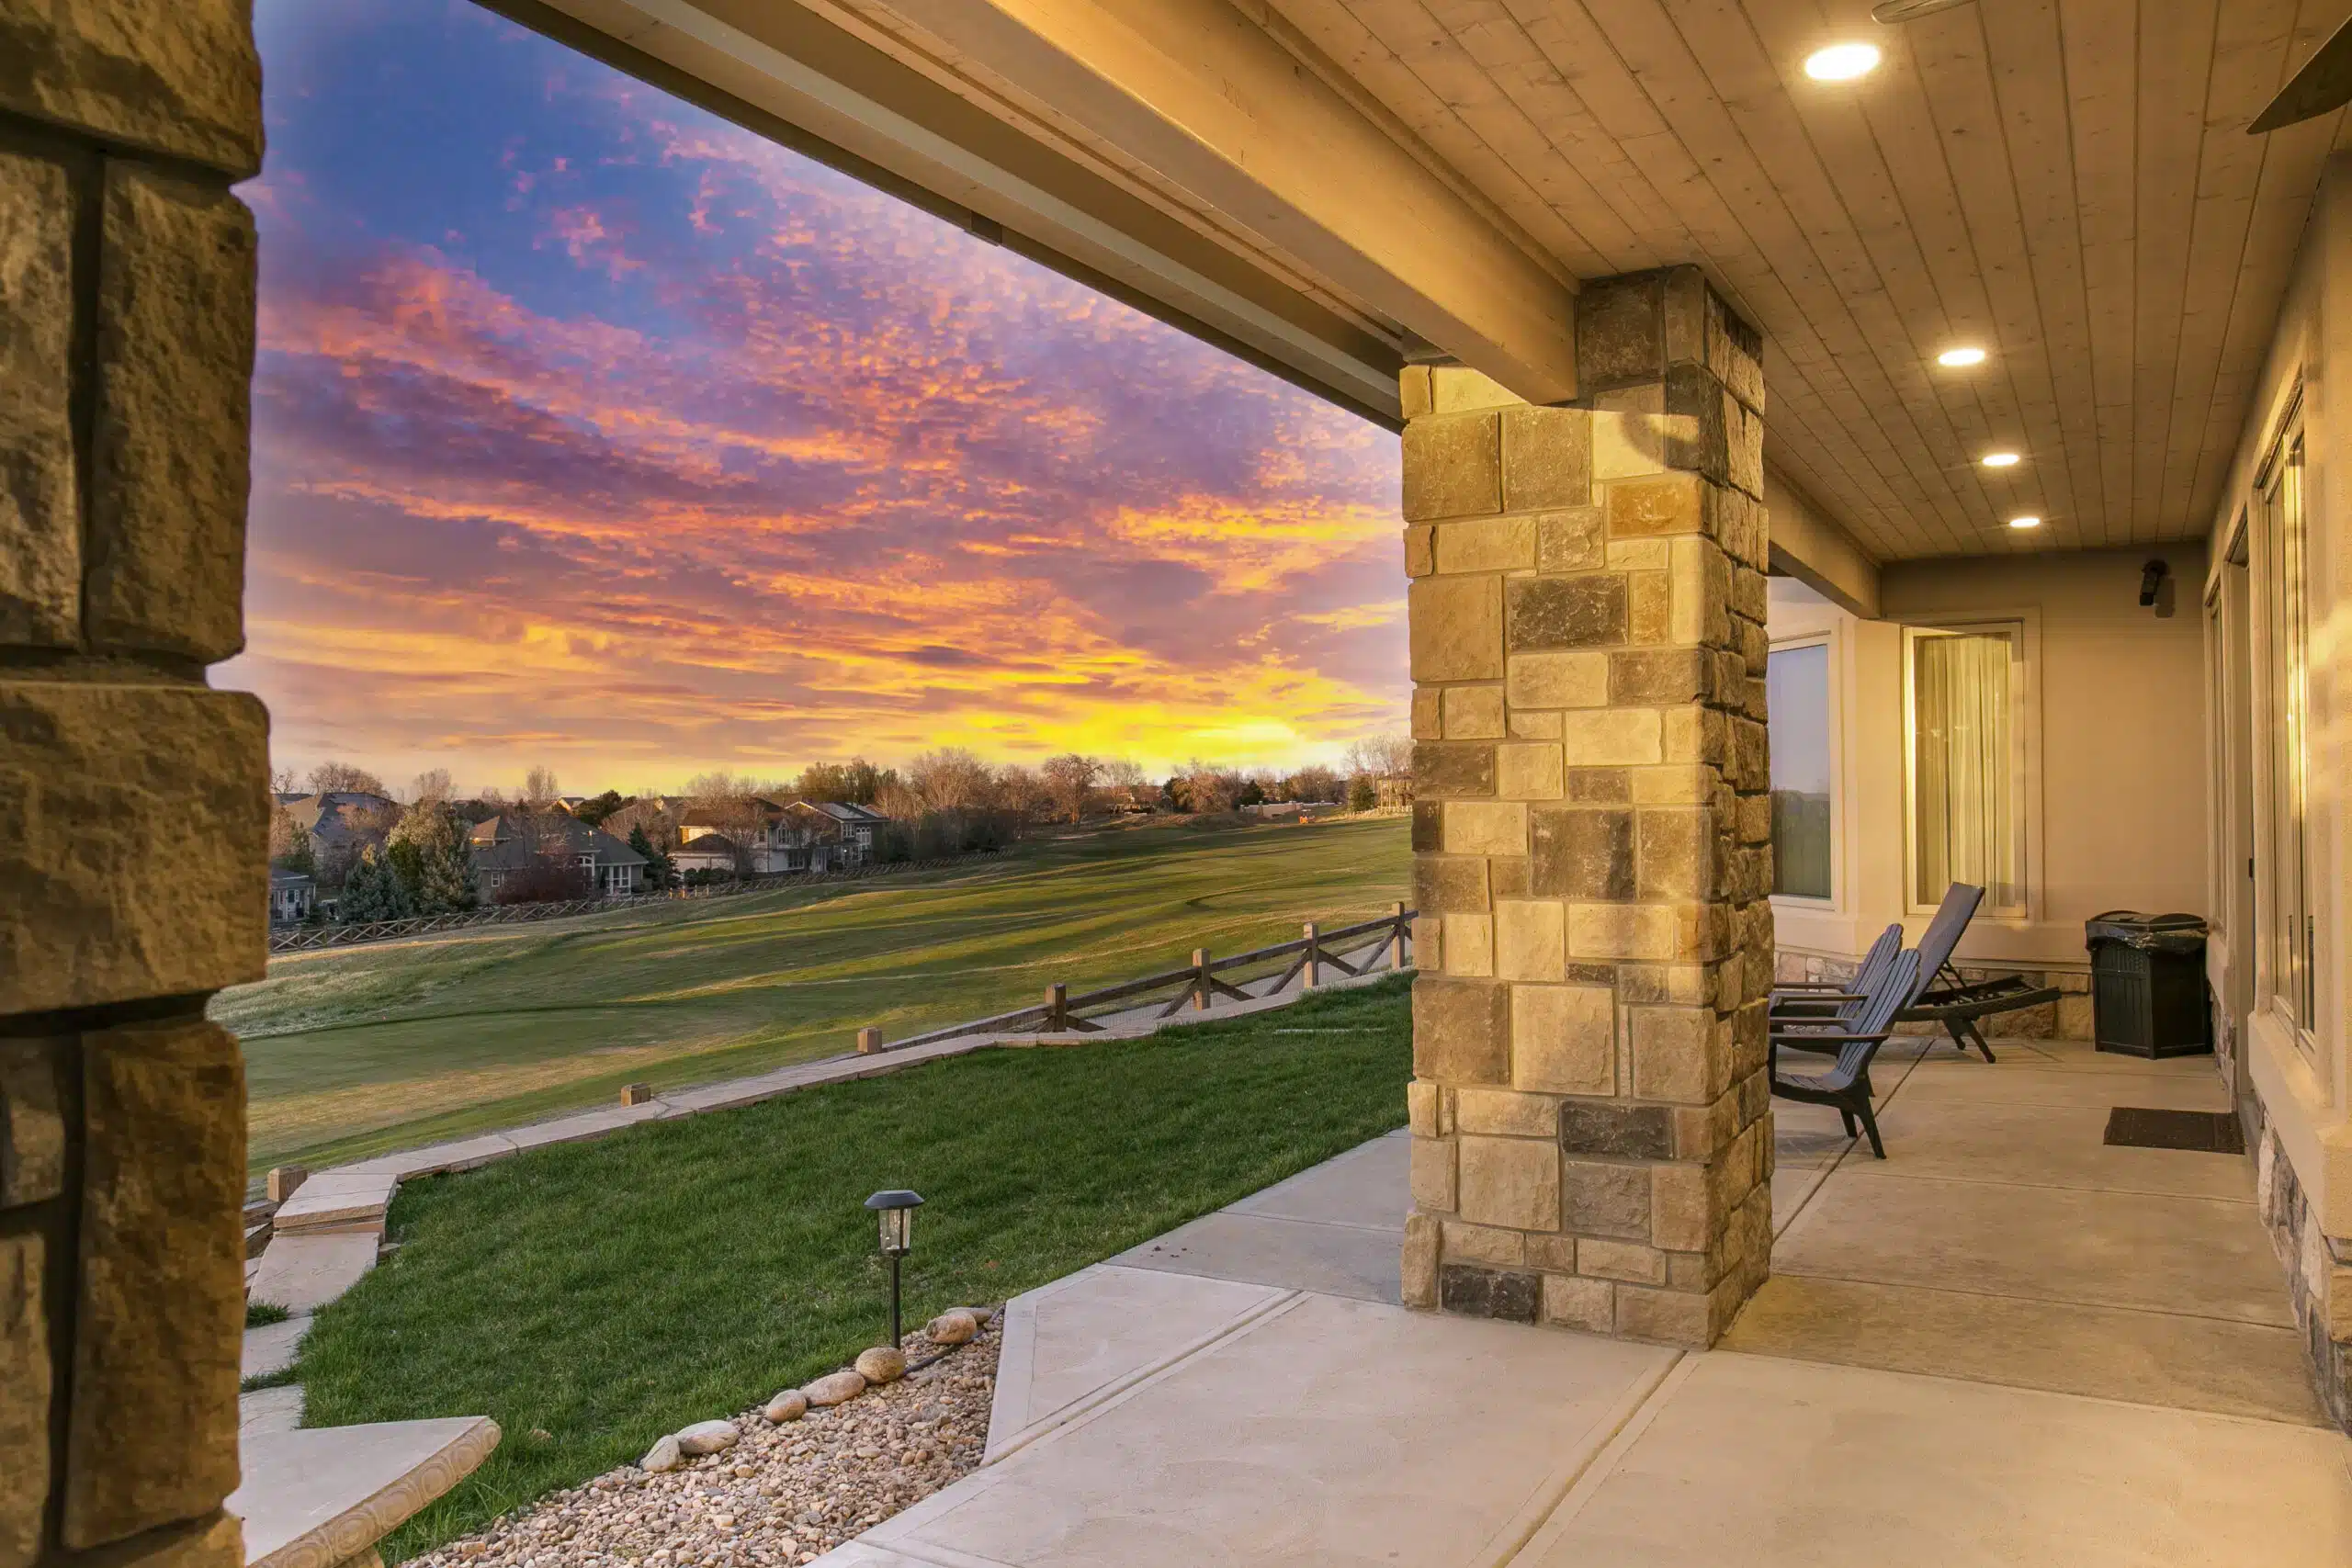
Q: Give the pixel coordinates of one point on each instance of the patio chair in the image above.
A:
(1944, 997)
(1846, 1086)
(1815, 1000)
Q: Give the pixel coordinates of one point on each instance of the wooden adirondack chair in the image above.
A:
(1820, 1000)
(1846, 1086)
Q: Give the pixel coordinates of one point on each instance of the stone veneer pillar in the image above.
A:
(1592, 1137)
(132, 876)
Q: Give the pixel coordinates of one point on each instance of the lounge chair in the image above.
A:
(1944, 997)
(1846, 1086)
(1815, 1001)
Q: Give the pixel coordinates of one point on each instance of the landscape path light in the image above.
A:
(896, 1209)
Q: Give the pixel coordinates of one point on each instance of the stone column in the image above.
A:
(1592, 1140)
(131, 868)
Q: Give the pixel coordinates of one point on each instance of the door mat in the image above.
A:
(2208, 1131)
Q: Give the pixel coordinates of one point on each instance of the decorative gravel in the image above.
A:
(782, 1494)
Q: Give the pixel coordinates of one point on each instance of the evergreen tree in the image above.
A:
(659, 873)
(1362, 795)
(431, 853)
(373, 892)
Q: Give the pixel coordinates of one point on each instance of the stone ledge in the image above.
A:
(319, 1497)
(182, 79)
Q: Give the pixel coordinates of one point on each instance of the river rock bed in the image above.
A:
(782, 1495)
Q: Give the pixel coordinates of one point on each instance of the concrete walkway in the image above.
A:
(2005, 1344)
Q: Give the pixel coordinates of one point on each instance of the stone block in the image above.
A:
(1681, 1055)
(1626, 930)
(1461, 1030)
(1677, 852)
(32, 1121)
(1615, 737)
(1644, 508)
(1442, 768)
(1429, 713)
(1565, 612)
(1470, 944)
(217, 1541)
(1634, 1262)
(137, 860)
(1573, 539)
(1452, 466)
(1669, 1317)
(1457, 388)
(1432, 1176)
(1486, 543)
(170, 426)
(1486, 827)
(1413, 391)
(1602, 1199)
(24, 1400)
(1649, 607)
(1491, 1245)
(182, 79)
(1556, 680)
(1629, 440)
(1421, 1103)
(1694, 735)
(1658, 677)
(1534, 724)
(1507, 875)
(1601, 786)
(1476, 1291)
(1456, 628)
(1617, 1130)
(1421, 552)
(1563, 1039)
(41, 520)
(159, 1328)
(1528, 771)
(1504, 1114)
(1621, 330)
(1573, 1303)
(1417, 1268)
(1580, 852)
(1528, 939)
(1695, 403)
(1443, 886)
(1429, 827)
(1513, 1183)
(1550, 1252)
(1640, 554)
(1547, 459)
(1674, 783)
(1472, 713)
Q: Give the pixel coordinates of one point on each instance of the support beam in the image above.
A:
(1810, 548)
(1279, 214)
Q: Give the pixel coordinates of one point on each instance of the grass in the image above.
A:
(394, 1045)
(261, 1315)
(594, 1296)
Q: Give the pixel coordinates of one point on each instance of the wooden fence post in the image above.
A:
(1057, 1007)
(1201, 979)
(869, 1040)
(1311, 974)
(1396, 938)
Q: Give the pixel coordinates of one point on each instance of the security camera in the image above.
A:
(2151, 576)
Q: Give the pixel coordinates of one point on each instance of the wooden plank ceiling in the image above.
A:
(2067, 183)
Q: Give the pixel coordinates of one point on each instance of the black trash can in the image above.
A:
(2148, 983)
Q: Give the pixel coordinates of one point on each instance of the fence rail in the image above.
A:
(311, 939)
(1197, 984)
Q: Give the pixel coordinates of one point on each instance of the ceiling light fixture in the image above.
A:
(1999, 459)
(1959, 358)
(1842, 62)
(2027, 521)
(1893, 11)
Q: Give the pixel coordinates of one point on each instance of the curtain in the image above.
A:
(1966, 825)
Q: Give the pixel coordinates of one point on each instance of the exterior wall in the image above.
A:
(2115, 781)
(2298, 1099)
(134, 876)
(1592, 1134)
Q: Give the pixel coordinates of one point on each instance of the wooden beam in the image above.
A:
(1807, 546)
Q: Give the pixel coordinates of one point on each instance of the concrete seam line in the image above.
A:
(1079, 1411)
(1627, 1420)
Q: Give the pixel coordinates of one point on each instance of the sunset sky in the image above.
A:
(592, 431)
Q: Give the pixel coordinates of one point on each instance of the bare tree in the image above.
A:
(1027, 795)
(431, 787)
(329, 778)
(1313, 783)
(951, 779)
(1382, 756)
(1210, 790)
(1122, 772)
(1069, 781)
(540, 790)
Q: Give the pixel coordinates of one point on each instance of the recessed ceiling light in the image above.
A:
(1841, 61)
(2027, 521)
(1957, 357)
(1999, 459)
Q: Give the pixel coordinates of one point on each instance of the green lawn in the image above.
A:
(605, 1293)
(351, 1052)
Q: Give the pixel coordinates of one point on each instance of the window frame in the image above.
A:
(2285, 918)
(1828, 639)
(2023, 630)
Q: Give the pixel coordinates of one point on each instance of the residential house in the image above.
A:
(507, 844)
(861, 828)
(339, 824)
(292, 896)
(760, 837)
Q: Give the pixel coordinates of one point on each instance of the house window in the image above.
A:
(1962, 692)
(2292, 933)
(1796, 681)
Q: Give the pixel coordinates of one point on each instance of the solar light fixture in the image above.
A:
(895, 1209)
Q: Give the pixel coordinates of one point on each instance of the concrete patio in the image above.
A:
(2006, 1343)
